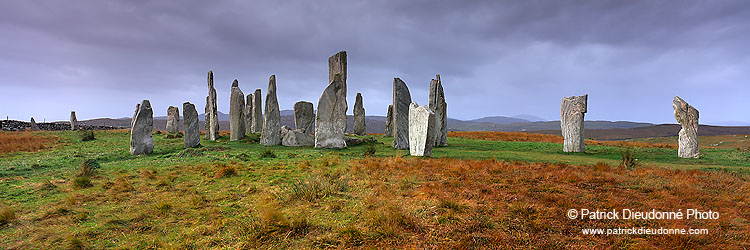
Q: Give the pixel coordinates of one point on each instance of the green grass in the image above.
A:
(194, 183)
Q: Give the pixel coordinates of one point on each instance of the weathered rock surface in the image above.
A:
(236, 112)
(359, 116)
(212, 112)
(141, 139)
(401, 102)
(173, 119)
(271, 134)
(257, 112)
(73, 120)
(572, 111)
(330, 120)
(337, 65)
(389, 121)
(438, 105)
(352, 141)
(249, 114)
(304, 116)
(34, 127)
(192, 136)
(421, 130)
(687, 116)
(297, 138)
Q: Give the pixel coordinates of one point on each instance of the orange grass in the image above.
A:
(531, 137)
(464, 204)
(25, 141)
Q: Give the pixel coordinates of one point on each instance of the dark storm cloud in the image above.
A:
(495, 57)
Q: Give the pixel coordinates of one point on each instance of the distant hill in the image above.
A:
(499, 120)
(530, 118)
(661, 130)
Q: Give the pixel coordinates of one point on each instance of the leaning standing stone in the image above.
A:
(359, 116)
(421, 130)
(249, 114)
(330, 120)
(173, 119)
(687, 116)
(401, 102)
(572, 111)
(304, 116)
(190, 125)
(236, 113)
(141, 139)
(271, 134)
(73, 120)
(438, 105)
(389, 121)
(34, 127)
(257, 112)
(212, 112)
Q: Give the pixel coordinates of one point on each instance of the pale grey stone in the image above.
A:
(271, 134)
(297, 138)
(359, 116)
(687, 116)
(401, 102)
(304, 116)
(438, 105)
(132, 120)
(192, 136)
(389, 121)
(236, 113)
(421, 130)
(572, 113)
(73, 120)
(352, 141)
(330, 120)
(212, 112)
(257, 112)
(249, 114)
(34, 126)
(285, 129)
(141, 139)
(173, 119)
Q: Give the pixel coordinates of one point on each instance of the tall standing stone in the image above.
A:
(141, 139)
(212, 112)
(73, 120)
(687, 116)
(330, 120)
(236, 112)
(205, 116)
(401, 102)
(421, 130)
(359, 116)
(304, 116)
(34, 126)
(192, 136)
(173, 119)
(132, 120)
(257, 112)
(271, 134)
(337, 65)
(249, 114)
(572, 111)
(389, 121)
(438, 105)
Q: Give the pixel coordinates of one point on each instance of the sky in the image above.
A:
(506, 58)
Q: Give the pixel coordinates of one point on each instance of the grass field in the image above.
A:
(486, 190)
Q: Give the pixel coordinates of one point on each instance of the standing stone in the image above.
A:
(73, 120)
(205, 116)
(297, 138)
(571, 122)
(359, 116)
(257, 112)
(687, 116)
(438, 105)
(173, 119)
(389, 121)
(421, 130)
(249, 114)
(132, 120)
(330, 120)
(190, 125)
(271, 134)
(236, 113)
(304, 116)
(141, 139)
(34, 127)
(337, 65)
(212, 112)
(401, 102)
